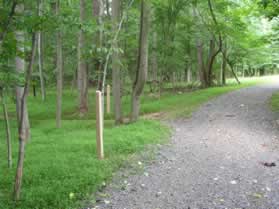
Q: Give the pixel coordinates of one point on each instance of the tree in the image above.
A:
(59, 70)
(82, 67)
(116, 72)
(98, 8)
(224, 65)
(142, 67)
(22, 112)
(23, 136)
(40, 55)
(7, 126)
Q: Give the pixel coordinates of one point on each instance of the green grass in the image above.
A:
(63, 161)
(60, 162)
(275, 102)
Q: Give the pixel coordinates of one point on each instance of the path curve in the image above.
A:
(214, 160)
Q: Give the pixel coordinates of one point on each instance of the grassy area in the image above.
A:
(61, 162)
(61, 166)
(275, 102)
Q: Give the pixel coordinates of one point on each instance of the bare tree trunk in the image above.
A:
(201, 69)
(232, 69)
(108, 7)
(154, 63)
(98, 10)
(59, 71)
(141, 74)
(20, 65)
(22, 132)
(8, 130)
(210, 61)
(82, 71)
(224, 65)
(42, 82)
(116, 71)
(189, 72)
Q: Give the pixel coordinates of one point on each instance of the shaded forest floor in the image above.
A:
(61, 167)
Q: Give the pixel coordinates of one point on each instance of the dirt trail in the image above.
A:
(215, 160)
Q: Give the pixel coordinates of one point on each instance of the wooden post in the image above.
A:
(99, 125)
(108, 99)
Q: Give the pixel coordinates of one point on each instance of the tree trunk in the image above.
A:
(201, 69)
(20, 65)
(82, 71)
(224, 65)
(98, 10)
(154, 63)
(22, 127)
(108, 7)
(8, 130)
(116, 71)
(189, 72)
(34, 90)
(59, 71)
(141, 74)
(42, 82)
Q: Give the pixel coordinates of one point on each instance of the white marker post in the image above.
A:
(108, 99)
(99, 125)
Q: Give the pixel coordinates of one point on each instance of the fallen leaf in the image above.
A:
(107, 202)
(233, 182)
(268, 189)
(257, 195)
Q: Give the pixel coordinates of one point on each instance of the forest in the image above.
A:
(151, 61)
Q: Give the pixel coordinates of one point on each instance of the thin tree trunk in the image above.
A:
(243, 71)
(224, 65)
(20, 65)
(189, 72)
(82, 71)
(8, 130)
(34, 90)
(154, 63)
(98, 10)
(59, 71)
(22, 131)
(42, 82)
(141, 74)
(108, 7)
(233, 72)
(116, 71)
(201, 69)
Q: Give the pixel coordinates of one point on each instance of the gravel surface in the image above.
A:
(215, 160)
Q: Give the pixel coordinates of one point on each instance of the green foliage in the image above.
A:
(271, 8)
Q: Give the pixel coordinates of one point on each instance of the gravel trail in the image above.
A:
(215, 160)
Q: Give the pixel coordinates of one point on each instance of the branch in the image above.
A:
(217, 25)
(9, 21)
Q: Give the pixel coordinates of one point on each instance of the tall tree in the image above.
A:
(98, 10)
(40, 55)
(142, 67)
(224, 64)
(82, 67)
(22, 127)
(154, 60)
(20, 66)
(7, 127)
(59, 70)
(116, 71)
